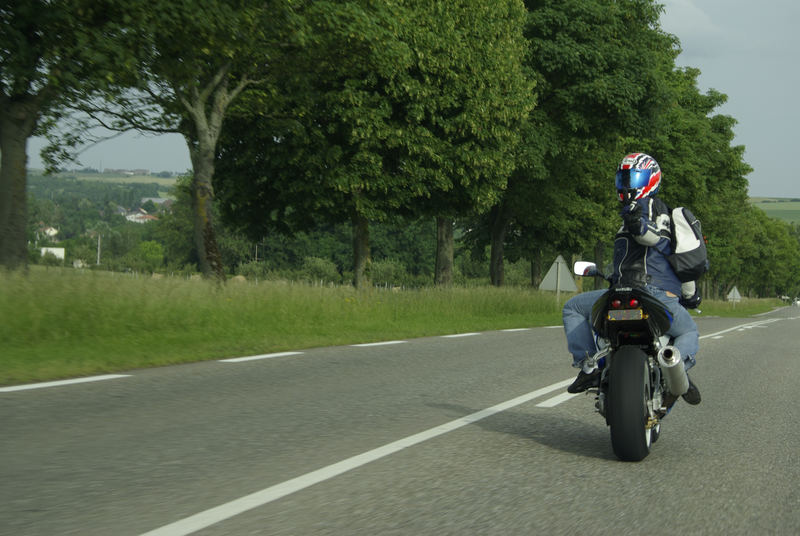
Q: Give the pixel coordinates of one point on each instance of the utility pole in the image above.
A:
(98, 248)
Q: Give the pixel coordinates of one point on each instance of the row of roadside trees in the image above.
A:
(505, 119)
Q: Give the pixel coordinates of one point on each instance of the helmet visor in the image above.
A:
(632, 178)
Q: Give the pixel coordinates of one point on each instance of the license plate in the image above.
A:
(625, 314)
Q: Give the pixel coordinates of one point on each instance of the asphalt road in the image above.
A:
(435, 436)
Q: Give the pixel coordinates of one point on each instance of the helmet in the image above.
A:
(638, 176)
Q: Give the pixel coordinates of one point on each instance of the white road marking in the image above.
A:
(717, 335)
(256, 357)
(61, 382)
(225, 511)
(368, 344)
(459, 335)
(740, 327)
(556, 400)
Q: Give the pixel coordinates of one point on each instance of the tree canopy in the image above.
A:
(502, 121)
(401, 108)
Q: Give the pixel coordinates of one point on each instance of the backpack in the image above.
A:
(689, 259)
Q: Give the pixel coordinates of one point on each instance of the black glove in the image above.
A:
(691, 303)
(632, 218)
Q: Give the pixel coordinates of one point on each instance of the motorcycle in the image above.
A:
(642, 374)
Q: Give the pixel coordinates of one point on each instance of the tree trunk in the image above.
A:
(444, 252)
(360, 250)
(205, 109)
(205, 237)
(536, 269)
(17, 122)
(500, 219)
(599, 260)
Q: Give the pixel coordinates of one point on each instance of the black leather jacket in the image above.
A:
(643, 258)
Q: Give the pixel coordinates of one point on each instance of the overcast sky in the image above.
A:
(748, 50)
(743, 48)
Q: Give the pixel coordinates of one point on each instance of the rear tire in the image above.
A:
(628, 392)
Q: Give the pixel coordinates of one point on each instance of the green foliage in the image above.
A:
(49, 259)
(315, 269)
(402, 108)
(66, 190)
(507, 116)
(147, 256)
(599, 67)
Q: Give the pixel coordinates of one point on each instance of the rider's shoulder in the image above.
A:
(659, 206)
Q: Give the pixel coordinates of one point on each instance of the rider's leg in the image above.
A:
(684, 331)
(577, 325)
(686, 340)
(580, 339)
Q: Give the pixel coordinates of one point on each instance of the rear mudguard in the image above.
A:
(656, 322)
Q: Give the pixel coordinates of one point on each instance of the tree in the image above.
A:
(147, 256)
(389, 104)
(51, 54)
(484, 95)
(174, 227)
(702, 170)
(599, 67)
(194, 60)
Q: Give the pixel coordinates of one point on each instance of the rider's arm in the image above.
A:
(688, 289)
(648, 234)
(690, 298)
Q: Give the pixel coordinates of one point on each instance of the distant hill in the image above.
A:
(780, 208)
(164, 180)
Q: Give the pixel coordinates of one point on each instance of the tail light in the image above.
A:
(631, 303)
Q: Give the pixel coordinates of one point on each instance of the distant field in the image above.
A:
(785, 209)
(124, 179)
(165, 182)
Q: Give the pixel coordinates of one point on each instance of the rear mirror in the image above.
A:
(585, 268)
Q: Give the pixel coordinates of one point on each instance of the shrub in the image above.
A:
(253, 270)
(317, 269)
(49, 259)
(388, 272)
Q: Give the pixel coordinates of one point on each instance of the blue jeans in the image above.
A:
(580, 336)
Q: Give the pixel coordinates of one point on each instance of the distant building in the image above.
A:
(58, 252)
(140, 216)
(49, 232)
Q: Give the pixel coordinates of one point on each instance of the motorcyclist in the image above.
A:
(641, 248)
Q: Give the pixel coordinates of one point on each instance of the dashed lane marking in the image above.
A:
(370, 344)
(59, 383)
(258, 357)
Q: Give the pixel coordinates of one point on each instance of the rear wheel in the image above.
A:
(628, 392)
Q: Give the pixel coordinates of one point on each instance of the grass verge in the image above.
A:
(60, 323)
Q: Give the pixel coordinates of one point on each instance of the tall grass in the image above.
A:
(57, 322)
(61, 322)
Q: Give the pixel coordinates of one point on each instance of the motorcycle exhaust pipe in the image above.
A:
(674, 373)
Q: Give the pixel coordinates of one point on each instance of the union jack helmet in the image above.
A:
(638, 176)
